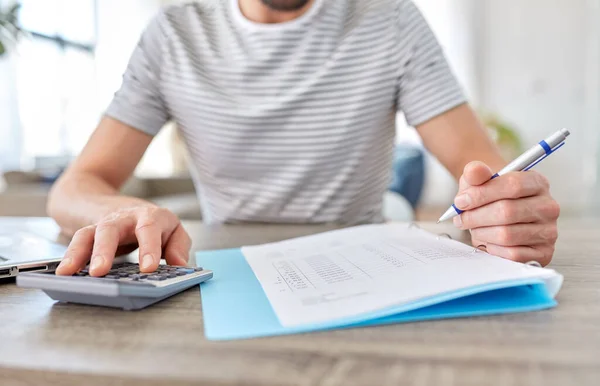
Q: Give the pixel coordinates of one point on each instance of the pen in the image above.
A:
(524, 162)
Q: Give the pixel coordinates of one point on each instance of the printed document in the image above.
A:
(346, 273)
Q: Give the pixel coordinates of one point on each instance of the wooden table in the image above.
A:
(63, 344)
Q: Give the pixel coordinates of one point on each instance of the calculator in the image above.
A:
(123, 287)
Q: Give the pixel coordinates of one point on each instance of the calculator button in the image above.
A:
(171, 275)
(185, 270)
(123, 274)
(112, 276)
(198, 269)
(180, 273)
(138, 276)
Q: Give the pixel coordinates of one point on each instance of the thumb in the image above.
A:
(475, 173)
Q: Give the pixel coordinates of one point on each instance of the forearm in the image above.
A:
(457, 138)
(80, 199)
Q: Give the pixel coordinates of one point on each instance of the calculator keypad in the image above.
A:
(131, 272)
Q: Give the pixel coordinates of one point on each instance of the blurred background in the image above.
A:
(529, 67)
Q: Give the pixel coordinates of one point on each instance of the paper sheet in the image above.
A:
(340, 274)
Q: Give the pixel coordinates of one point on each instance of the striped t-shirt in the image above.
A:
(288, 122)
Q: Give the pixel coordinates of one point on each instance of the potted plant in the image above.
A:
(505, 136)
(9, 28)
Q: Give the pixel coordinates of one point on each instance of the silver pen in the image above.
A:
(524, 162)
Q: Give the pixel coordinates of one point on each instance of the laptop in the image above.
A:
(28, 245)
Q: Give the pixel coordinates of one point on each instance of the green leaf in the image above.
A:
(14, 9)
(13, 13)
(506, 134)
(9, 24)
(10, 19)
(2, 49)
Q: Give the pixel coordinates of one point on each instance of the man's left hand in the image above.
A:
(513, 216)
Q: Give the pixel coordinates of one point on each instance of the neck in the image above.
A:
(257, 11)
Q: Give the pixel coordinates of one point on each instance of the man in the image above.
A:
(288, 110)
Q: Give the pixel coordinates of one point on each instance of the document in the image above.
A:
(348, 273)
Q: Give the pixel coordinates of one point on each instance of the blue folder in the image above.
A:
(234, 305)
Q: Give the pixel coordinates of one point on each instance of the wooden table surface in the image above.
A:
(63, 344)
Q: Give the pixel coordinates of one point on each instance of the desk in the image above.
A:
(63, 344)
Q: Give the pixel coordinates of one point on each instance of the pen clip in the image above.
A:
(544, 156)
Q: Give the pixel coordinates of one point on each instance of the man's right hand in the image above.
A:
(156, 231)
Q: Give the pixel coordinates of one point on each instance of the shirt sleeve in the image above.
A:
(427, 86)
(138, 102)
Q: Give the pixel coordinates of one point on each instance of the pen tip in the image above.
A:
(438, 221)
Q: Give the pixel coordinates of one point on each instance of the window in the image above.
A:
(56, 77)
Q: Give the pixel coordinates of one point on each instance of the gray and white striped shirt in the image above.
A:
(288, 122)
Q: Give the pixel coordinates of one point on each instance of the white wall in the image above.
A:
(593, 102)
(536, 72)
(121, 24)
(536, 63)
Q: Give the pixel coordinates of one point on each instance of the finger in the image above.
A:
(523, 254)
(106, 242)
(480, 244)
(510, 186)
(178, 247)
(149, 234)
(506, 212)
(517, 234)
(475, 173)
(78, 253)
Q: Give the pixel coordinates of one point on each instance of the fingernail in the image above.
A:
(457, 221)
(463, 201)
(66, 262)
(147, 261)
(97, 262)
